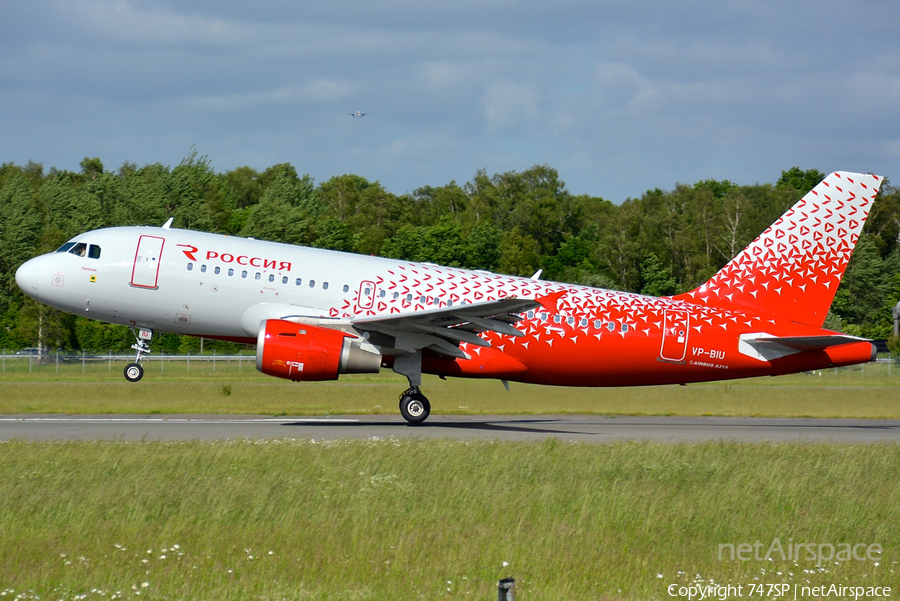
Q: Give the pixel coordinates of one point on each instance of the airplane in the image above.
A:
(357, 114)
(315, 314)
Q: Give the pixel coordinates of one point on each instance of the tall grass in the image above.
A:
(416, 519)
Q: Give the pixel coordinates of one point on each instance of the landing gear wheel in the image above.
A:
(414, 407)
(133, 372)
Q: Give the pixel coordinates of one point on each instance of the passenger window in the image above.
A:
(203, 269)
(624, 327)
(94, 252)
(298, 281)
(324, 285)
(570, 320)
(531, 315)
(396, 295)
(79, 249)
(244, 274)
(258, 276)
(598, 324)
(190, 267)
(284, 279)
(381, 294)
(611, 327)
(230, 272)
(271, 277)
(557, 318)
(583, 322)
(346, 288)
(217, 270)
(312, 283)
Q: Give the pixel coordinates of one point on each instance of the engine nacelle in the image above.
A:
(298, 351)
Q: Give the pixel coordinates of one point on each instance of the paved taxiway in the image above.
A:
(585, 428)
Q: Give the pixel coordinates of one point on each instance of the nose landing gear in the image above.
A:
(134, 371)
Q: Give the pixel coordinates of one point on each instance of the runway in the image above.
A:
(582, 428)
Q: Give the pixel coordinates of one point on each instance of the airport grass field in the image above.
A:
(416, 519)
(434, 519)
(869, 391)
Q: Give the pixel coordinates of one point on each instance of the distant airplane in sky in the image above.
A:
(357, 114)
(314, 314)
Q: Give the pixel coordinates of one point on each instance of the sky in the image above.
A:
(619, 96)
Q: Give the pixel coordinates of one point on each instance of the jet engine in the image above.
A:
(299, 351)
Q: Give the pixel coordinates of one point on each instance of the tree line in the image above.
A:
(664, 242)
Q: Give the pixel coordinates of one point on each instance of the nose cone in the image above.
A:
(27, 277)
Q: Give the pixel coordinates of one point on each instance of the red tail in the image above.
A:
(795, 266)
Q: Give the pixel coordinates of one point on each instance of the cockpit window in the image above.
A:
(65, 247)
(79, 249)
(94, 252)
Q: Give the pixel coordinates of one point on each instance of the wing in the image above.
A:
(441, 330)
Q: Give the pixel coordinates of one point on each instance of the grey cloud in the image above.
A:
(618, 96)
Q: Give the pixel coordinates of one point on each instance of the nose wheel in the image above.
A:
(134, 371)
(414, 407)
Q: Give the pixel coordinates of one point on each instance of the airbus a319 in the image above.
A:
(315, 314)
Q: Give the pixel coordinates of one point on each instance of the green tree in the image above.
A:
(369, 210)
(518, 254)
(286, 212)
(799, 180)
(870, 287)
(21, 225)
(657, 278)
(71, 208)
(91, 168)
(195, 196)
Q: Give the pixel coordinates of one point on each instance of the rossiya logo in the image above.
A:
(212, 255)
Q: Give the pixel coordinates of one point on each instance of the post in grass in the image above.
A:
(506, 589)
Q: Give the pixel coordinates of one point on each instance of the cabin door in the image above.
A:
(145, 272)
(675, 335)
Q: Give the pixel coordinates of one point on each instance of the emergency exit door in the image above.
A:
(145, 272)
(366, 298)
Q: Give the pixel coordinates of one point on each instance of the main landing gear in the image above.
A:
(414, 407)
(134, 371)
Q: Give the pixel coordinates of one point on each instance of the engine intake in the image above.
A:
(297, 351)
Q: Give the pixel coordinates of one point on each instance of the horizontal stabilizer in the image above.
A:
(766, 347)
(811, 343)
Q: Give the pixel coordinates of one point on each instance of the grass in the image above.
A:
(870, 391)
(418, 519)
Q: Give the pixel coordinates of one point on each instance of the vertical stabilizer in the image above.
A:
(795, 266)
